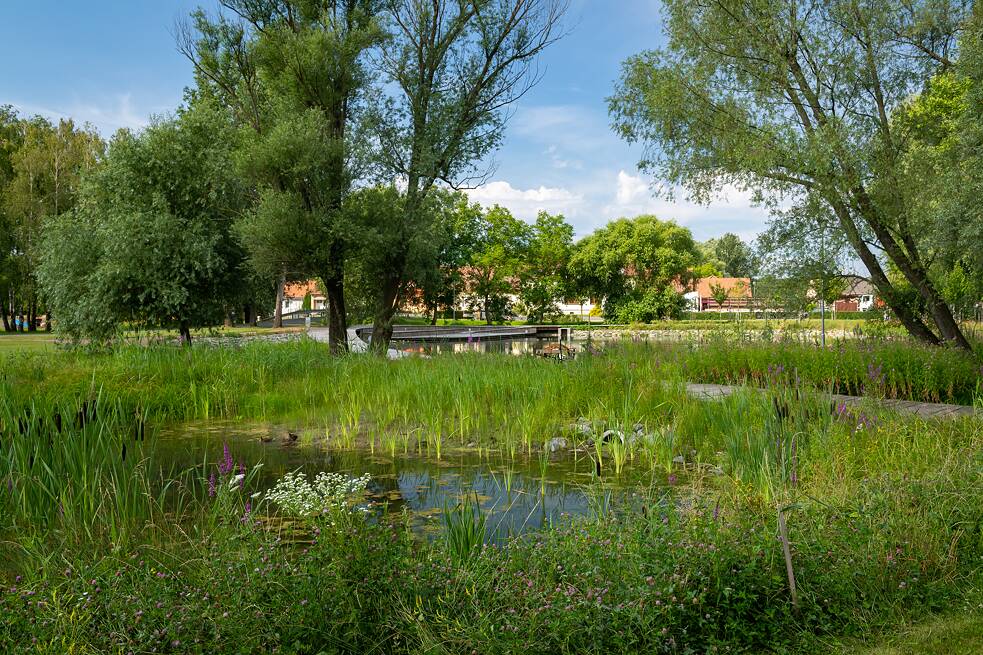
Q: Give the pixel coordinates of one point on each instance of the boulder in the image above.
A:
(556, 444)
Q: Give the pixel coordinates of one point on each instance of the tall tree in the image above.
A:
(295, 74)
(737, 258)
(456, 66)
(542, 276)
(10, 139)
(150, 243)
(452, 238)
(794, 99)
(631, 260)
(942, 166)
(492, 274)
(45, 173)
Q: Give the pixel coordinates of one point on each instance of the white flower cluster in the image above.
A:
(295, 495)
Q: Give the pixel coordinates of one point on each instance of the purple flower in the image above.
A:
(226, 465)
(211, 485)
(672, 478)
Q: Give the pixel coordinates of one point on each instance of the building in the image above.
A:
(295, 292)
(859, 296)
(699, 294)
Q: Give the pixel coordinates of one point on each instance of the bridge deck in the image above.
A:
(459, 333)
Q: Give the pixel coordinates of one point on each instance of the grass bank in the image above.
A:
(106, 552)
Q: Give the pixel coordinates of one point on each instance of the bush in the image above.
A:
(653, 305)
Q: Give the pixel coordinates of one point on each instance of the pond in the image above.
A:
(519, 346)
(515, 494)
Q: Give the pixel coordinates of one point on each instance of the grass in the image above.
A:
(879, 369)
(13, 342)
(947, 635)
(112, 553)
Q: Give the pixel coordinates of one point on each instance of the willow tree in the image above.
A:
(295, 74)
(456, 68)
(795, 100)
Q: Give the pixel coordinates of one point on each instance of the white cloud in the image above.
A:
(107, 115)
(732, 210)
(526, 203)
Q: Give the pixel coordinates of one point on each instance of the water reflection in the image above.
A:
(516, 495)
(528, 346)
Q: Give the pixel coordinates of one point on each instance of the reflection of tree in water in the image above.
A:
(512, 494)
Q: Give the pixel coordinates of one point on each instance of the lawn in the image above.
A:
(17, 342)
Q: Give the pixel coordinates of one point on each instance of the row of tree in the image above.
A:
(41, 168)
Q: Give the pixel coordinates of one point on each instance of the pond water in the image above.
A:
(527, 346)
(516, 495)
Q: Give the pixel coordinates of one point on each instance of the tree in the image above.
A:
(720, 294)
(454, 232)
(794, 100)
(542, 277)
(942, 168)
(736, 258)
(10, 139)
(295, 74)
(150, 242)
(45, 165)
(632, 258)
(493, 271)
(456, 68)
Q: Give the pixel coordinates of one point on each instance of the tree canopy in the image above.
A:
(631, 263)
(150, 242)
(795, 99)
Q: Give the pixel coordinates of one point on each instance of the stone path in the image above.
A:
(924, 410)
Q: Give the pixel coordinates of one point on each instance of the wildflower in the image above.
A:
(226, 465)
(211, 485)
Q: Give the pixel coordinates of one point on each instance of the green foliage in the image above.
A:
(730, 256)
(633, 261)
(652, 305)
(41, 168)
(767, 96)
(542, 277)
(496, 263)
(151, 242)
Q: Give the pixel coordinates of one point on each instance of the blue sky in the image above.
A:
(113, 63)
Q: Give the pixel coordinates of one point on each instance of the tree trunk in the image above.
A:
(278, 310)
(334, 288)
(382, 326)
(247, 314)
(433, 318)
(911, 321)
(914, 272)
(487, 315)
(32, 316)
(4, 316)
(185, 331)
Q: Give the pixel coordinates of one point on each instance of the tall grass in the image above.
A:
(888, 369)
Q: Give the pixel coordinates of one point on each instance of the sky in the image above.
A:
(113, 63)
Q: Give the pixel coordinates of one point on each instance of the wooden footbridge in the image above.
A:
(470, 333)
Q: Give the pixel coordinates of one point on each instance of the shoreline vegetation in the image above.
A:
(107, 549)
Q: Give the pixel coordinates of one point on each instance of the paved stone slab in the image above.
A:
(924, 410)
